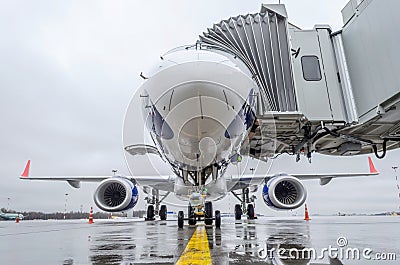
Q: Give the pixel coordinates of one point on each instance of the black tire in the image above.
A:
(250, 212)
(190, 211)
(150, 212)
(208, 213)
(217, 219)
(238, 212)
(163, 212)
(180, 219)
(192, 221)
(191, 216)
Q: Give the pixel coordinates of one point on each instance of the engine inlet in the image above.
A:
(286, 192)
(114, 194)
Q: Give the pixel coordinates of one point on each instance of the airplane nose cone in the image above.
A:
(197, 145)
(199, 122)
(208, 149)
(196, 106)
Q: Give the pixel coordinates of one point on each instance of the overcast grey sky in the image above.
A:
(69, 68)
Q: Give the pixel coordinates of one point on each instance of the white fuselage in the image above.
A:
(198, 107)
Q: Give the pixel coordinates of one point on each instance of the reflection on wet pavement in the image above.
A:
(152, 242)
(161, 242)
(240, 242)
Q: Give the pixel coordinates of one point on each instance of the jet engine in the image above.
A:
(116, 194)
(284, 193)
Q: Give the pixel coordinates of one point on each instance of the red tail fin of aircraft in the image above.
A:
(372, 168)
(25, 174)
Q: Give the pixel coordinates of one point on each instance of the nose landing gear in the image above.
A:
(200, 213)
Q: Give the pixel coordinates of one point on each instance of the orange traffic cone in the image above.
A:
(91, 216)
(306, 216)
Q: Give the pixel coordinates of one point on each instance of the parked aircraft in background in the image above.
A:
(10, 216)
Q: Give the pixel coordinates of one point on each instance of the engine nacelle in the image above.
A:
(116, 194)
(284, 193)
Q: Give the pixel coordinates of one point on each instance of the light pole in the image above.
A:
(397, 181)
(65, 208)
(8, 204)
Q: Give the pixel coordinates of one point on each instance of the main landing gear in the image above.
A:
(154, 208)
(200, 213)
(247, 205)
(150, 216)
(151, 213)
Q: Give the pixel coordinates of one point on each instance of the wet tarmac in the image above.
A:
(292, 240)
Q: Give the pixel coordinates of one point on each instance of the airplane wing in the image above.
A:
(163, 183)
(324, 178)
(74, 181)
(166, 183)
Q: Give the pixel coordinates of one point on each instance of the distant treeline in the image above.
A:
(70, 215)
(139, 213)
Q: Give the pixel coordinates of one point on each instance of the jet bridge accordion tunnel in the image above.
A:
(335, 93)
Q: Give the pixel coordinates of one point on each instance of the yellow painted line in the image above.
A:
(197, 250)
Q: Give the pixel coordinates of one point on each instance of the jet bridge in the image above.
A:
(336, 93)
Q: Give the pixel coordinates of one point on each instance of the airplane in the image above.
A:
(10, 216)
(205, 109)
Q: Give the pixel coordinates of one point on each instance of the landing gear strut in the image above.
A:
(153, 208)
(246, 205)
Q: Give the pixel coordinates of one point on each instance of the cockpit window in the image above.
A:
(159, 126)
(244, 117)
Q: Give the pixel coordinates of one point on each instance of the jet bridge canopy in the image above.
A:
(261, 41)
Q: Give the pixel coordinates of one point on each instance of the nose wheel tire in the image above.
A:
(208, 213)
(192, 221)
(191, 215)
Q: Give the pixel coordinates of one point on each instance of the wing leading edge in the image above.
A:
(325, 178)
(74, 181)
(159, 182)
